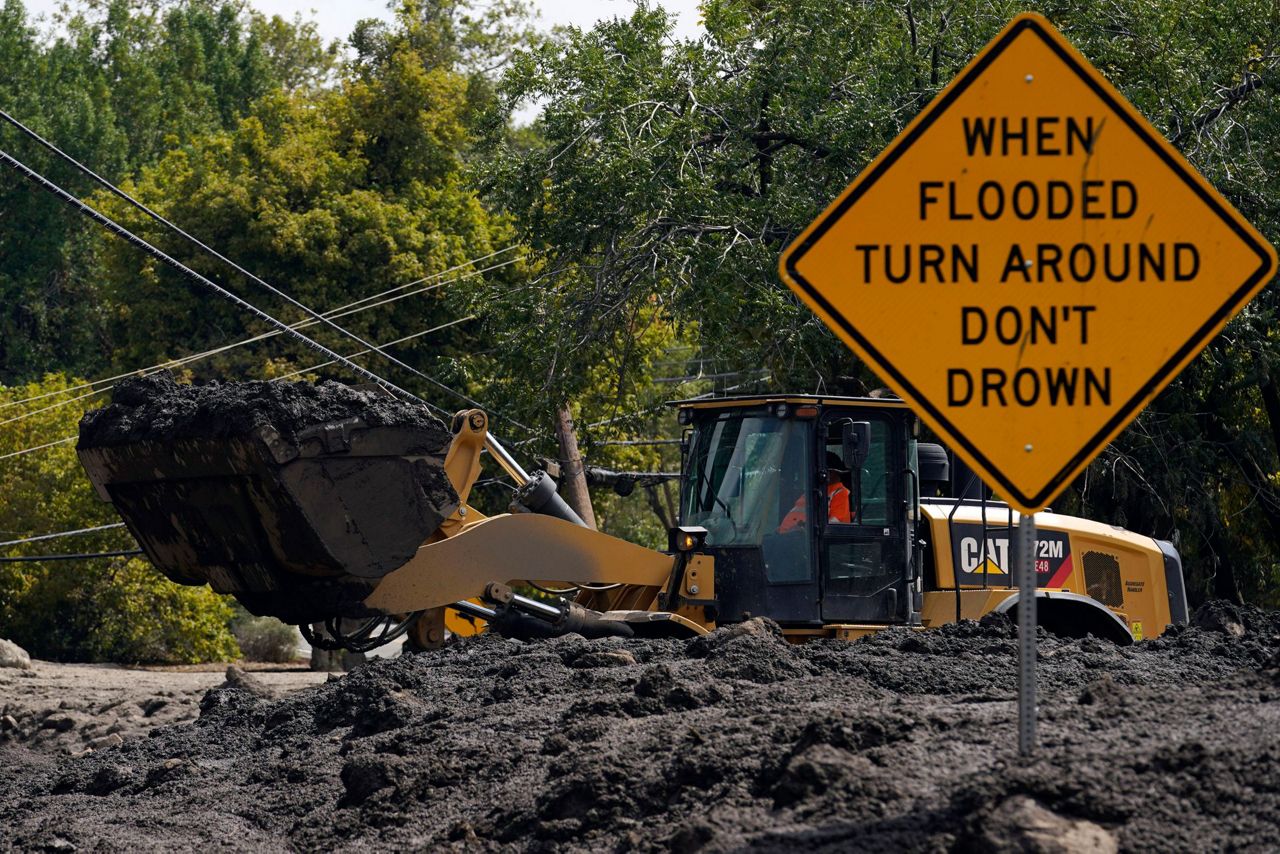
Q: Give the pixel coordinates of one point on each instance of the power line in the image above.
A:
(25, 451)
(57, 405)
(155, 252)
(60, 534)
(185, 360)
(648, 411)
(191, 359)
(318, 318)
(277, 379)
(435, 276)
(661, 406)
(87, 556)
(131, 238)
(640, 442)
(387, 344)
(120, 231)
(332, 313)
(700, 377)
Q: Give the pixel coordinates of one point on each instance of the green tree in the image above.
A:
(102, 609)
(673, 172)
(331, 196)
(115, 87)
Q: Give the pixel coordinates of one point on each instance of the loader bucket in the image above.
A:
(298, 522)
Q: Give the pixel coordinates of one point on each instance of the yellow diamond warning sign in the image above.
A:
(1028, 263)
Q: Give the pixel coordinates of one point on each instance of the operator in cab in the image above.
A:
(838, 510)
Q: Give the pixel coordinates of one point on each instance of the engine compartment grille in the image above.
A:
(1102, 578)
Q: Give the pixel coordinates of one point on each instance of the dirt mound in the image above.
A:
(1237, 620)
(155, 407)
(904, 741)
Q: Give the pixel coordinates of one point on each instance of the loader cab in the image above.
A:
(809, 505)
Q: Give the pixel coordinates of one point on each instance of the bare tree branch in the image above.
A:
(1230, 98)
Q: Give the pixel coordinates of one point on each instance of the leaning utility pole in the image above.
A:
(573, 477)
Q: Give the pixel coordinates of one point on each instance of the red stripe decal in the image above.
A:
(1061, 575)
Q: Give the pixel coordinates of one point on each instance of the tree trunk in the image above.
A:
(1266, 497)
(1225, 585)
(656, 505)
(1271, 402)
(573, 477)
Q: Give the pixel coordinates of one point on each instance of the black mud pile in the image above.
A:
(156, 408)
(904, 741)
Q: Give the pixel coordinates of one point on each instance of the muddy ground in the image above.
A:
(71, 708)
(904, 741)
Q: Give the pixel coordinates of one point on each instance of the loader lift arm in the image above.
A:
(472, 556)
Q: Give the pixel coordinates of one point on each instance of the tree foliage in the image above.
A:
(105, 609)
(118, 85)
(674, 172)
(331, 196)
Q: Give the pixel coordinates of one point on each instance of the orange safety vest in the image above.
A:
(837, 509)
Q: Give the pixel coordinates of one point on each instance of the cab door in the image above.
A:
(861, 558)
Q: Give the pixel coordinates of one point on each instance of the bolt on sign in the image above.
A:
(1029, 263)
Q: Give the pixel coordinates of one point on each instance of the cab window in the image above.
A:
(744, 474)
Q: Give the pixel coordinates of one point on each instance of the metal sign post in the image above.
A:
(1025, 551)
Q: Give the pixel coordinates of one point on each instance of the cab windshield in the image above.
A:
(745, 473)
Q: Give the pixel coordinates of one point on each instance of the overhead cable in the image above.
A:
(195, 357)
(436, 276)
(276, 379)
(131, 238)
(44, 409)
(183, 361)
(640, 442)
(137, 241)
(301, 371)
(25, 451)
(652, 409)
(60, 534)
(87, 556)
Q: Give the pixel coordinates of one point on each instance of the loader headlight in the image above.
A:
(686, 539)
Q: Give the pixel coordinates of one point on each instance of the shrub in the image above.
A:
(265, 639)
(116, 610)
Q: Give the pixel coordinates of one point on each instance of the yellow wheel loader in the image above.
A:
(825, 514)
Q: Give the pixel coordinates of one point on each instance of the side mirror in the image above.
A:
(856, 442)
